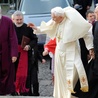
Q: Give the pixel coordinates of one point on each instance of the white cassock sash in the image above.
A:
(73, 59)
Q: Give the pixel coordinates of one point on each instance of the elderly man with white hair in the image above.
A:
(67, 26)
(26, 65)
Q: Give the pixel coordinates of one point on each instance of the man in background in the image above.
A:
(90, 16)
(82, 6)
(27, 63)
(8, 55)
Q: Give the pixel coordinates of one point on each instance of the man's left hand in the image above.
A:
(14, 59)
(88, 7)
(92, 54)
(27, 47)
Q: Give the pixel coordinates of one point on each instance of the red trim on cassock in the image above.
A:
(21, 74)
(51, 45)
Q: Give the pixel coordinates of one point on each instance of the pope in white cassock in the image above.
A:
(67, 26)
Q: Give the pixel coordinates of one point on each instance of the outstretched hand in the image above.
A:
(31, 25)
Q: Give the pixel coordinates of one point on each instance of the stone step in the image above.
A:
(24, 97)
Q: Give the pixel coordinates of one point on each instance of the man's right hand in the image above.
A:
(32, 26)
(14, 59)
(45, 52)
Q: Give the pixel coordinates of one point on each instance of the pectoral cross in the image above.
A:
(58, 37)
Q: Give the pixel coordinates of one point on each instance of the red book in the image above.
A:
(25, 41)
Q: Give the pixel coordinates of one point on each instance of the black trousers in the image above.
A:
(32, 80)
(84, 51)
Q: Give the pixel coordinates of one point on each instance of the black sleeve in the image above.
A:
(40, 57)
(96, 1)
(89, 2)
(33, 38)
(93, 28)
(75, 2)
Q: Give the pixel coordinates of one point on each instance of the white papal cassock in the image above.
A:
(68, 64)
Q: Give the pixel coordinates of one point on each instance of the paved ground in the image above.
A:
(45, 79)
(22, 97)
(45, 82)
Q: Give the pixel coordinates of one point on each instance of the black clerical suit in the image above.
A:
(32, 79)
(95, 2)
(33, 56)
(84, 4)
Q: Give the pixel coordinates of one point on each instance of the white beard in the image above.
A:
(18, 25)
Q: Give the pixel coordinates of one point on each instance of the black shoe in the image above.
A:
(14, 94)
(35, 94)
(24, 94)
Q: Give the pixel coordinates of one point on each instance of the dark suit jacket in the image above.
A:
(96, 1)
(84, 4)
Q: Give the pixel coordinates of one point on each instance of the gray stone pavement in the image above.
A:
(45, 79)
(45, 82)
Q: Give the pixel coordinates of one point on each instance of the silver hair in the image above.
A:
(96, 9)
(17, 13)
(12, 16)
(58, 11)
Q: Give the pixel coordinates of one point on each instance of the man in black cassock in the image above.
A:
(27, 63)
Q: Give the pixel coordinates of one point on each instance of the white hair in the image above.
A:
(58, 11)
(17, 13)
(12, 16)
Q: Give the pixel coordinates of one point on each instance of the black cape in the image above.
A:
(91, 71)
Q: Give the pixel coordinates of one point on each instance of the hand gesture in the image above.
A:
(32, 26)
(43, 61)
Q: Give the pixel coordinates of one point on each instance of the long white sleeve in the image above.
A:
(88, 38)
